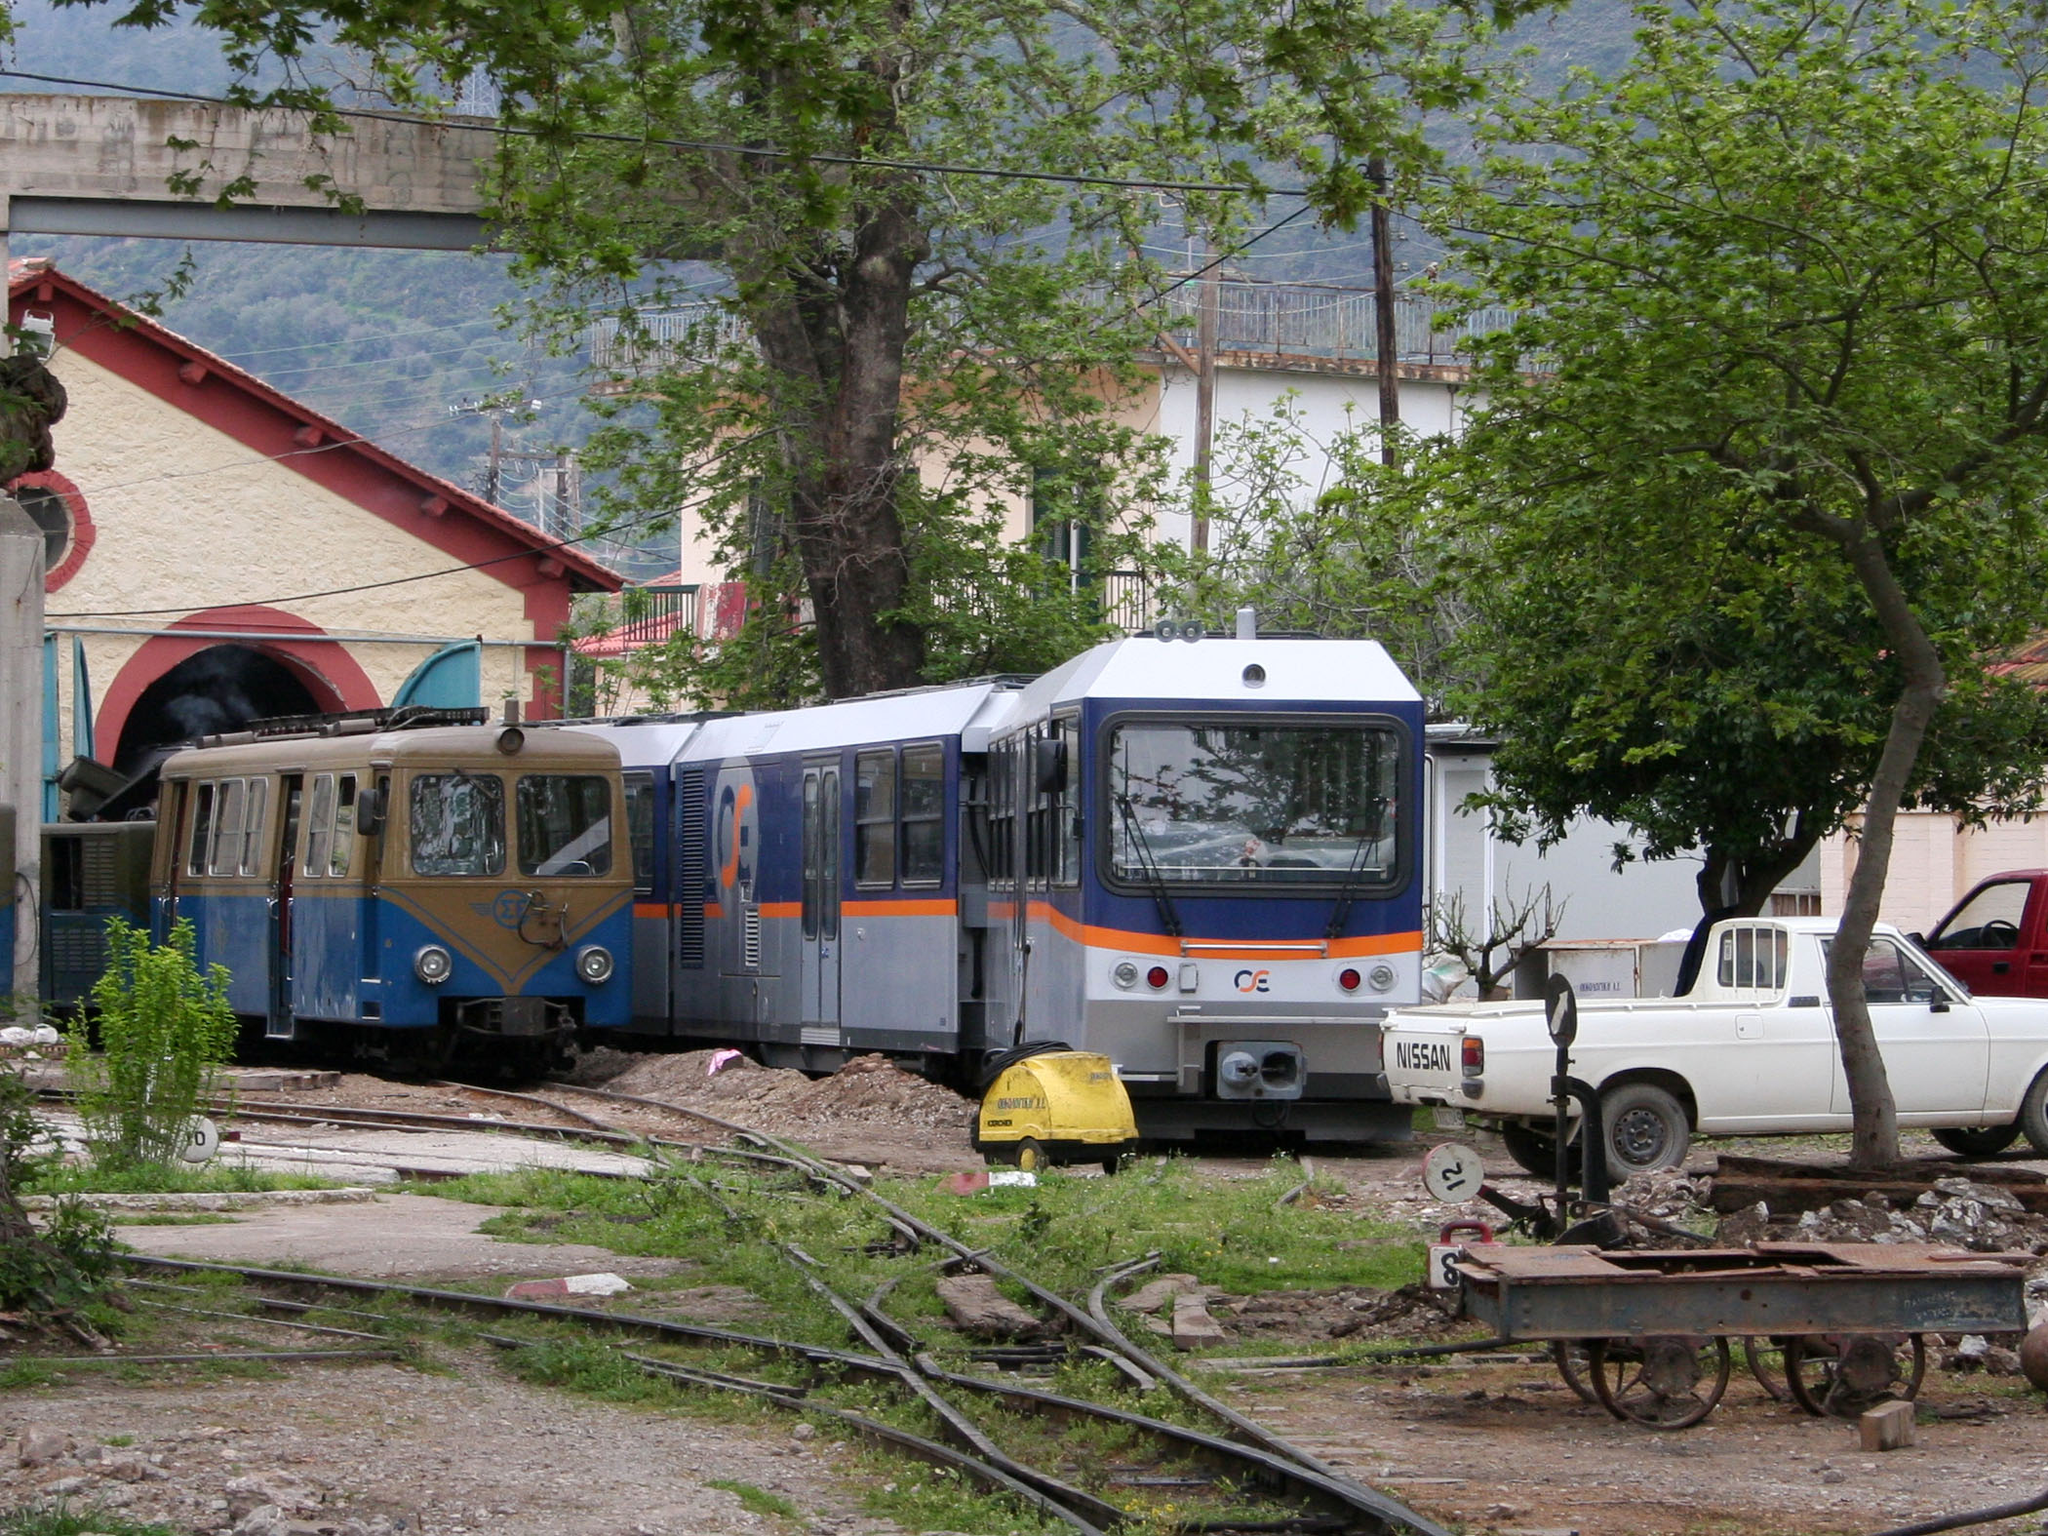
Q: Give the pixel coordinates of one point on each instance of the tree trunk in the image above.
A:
(1875, 1135)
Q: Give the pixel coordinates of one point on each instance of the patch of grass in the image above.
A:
(18, 1374)
(756, 1501)
(164, 1179)
(65, 1519)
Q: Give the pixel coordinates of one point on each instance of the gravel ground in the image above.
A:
(461, 1448)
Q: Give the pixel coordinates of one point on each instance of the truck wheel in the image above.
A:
(1646, 1129)
(2034, 1114)
(1536, 1152)
(1983, 1141)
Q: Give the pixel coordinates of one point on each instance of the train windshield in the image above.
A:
(565, 824)
(458, 824)
(1273, 805)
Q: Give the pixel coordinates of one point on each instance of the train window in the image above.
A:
(319, 825)
(874, 817)
(565, 824)
(252, 837)
(457, 824)
(640, 828)
(226, 857)
(202, 830)
(1002, 817)
(1066, 816)
(924, 814)
(344, 825)
(828, 873)
(1037, 813)
(1274, 804)
(811, 839)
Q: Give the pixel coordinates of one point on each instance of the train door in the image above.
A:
(821, 894)
(278, 1024)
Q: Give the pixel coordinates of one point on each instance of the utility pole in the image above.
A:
(1205, 395)
(1386, 344)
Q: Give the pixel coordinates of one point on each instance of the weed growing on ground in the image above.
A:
(65, 1519)
(165, 1030)
(756, 1501)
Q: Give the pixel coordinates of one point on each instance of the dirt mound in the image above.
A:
(871, 1092)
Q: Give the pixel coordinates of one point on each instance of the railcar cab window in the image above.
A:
(640, 828)
(565, 824)
(237, 826)
(202, 830)
(1268, 805)
(924, 814)
(457, 824)
(874, 817)
(344, 841)
(319, 825)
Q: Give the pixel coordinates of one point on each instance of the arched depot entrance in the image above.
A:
(221, 688)
(180, 685)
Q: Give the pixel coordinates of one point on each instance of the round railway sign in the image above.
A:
(1452, 1174)
(1561, 1009)
(200, 1141)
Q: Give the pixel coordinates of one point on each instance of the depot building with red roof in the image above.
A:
(219, 552)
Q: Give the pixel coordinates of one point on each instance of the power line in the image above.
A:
(750, 151)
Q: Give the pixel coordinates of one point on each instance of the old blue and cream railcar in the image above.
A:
(1201, 859)
(400, 892)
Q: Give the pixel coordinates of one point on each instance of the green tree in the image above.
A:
(1765, 451)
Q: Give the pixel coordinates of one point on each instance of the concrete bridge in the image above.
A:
(115, 165)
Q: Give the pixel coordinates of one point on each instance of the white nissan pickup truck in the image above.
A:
(1750, 1051)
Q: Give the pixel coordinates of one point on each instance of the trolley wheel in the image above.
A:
(1665, 1381)
(1766, 1361)
(1843, 1375)
(1574, 1365)
(1031, 1155)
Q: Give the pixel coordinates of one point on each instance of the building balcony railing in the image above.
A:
(1287, 320)
(1278, 319)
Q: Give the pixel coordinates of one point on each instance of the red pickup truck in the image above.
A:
(1995, 940)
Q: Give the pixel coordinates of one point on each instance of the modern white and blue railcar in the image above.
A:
(1200, 859)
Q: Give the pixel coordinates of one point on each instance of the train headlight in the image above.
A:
(594, 963)
(1125, 974)
(1381, 976)
(432, 964)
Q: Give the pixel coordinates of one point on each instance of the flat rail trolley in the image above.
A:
(1649, 1332)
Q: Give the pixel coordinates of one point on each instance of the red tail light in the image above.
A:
(1472, 1055)
(1156, 977)
(1348, 979)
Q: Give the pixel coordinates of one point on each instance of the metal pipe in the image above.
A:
(335, 637)
(1972, 1517)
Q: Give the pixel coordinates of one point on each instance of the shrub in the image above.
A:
(165, 1029)
(50, 1274)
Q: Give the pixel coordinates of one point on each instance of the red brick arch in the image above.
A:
(327, 669)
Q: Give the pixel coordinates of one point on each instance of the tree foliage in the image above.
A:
(1757, 483)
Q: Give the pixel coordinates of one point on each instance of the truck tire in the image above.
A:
(1536, 1153)
(1646, 1129)
(1979, 1141)
(2034, 1114)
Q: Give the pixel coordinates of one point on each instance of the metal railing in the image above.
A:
(1280, 319)
(1283, 319)
(1127, 600)
(667, 610)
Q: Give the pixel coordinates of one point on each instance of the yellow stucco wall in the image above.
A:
(1935, 860)
(187, 518)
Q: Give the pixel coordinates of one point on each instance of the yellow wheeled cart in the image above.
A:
(1056, 1107)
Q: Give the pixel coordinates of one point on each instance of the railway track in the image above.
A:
(971, 1411)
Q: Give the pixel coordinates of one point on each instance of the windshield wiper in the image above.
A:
(1340, 911)
(1154, 880)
